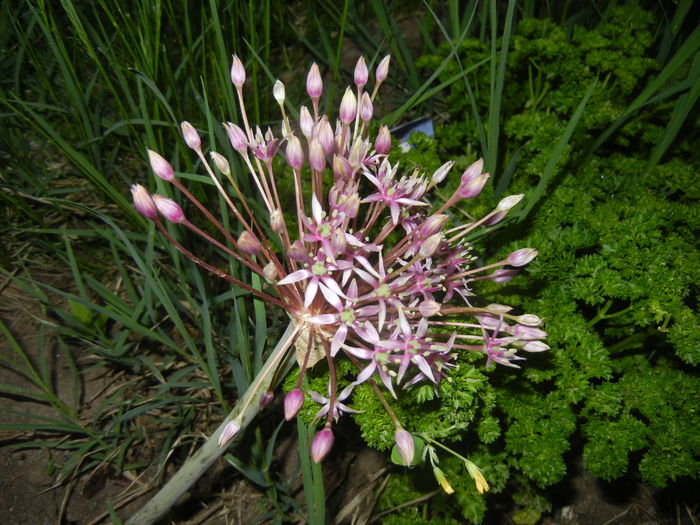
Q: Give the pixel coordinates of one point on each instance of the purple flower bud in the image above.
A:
(432, 225)
(348, 107)
(341, 167)
(472, 172)
(383, 69)
(249, 243)
(430, 245)
(295, 155)
(270, 273)
(338, 242)
(228, 433)
(317, 159)
(237, 72)
(278, 92)
(528, 332)
(266, 398)
(297, 251)
(321, 445)
(160, 166)
(143, 202)
(190, 135)
(306, 122)
(405, 446)
(292, 403)
(366, 109)
(382, 144)
(535, 346)
(521, 257)
(237, 137)
(361, 72)
(502, 275)
(442, 172)
(314, 84)
(169, 209)
(429, 308)
(357, 154)
(495, 218)
(472, 188)
(324, 133)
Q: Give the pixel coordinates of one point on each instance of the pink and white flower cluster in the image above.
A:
(369, 270)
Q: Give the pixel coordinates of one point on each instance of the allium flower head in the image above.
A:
(363, 265)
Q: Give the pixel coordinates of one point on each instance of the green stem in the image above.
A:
(245, 410)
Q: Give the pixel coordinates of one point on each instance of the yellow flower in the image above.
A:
(442, 480)
(475, 472)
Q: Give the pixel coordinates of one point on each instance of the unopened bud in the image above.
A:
(361, 72)
(277, 222)
(383, 69)
(297, 251)
(529, 320)
(321, 445)
(405, 446)
(473, 187)
(472, 172)
(278, 92)
(293, 402)
(348, 107)
(237, 137)
(160, 166)
(508, 202)
(429, 308)
(270, 273)
(521, 257)
(366, 109)
(314, 84)
(249, 243)
(324, 133)
(430, 245)
(266, 398)
(338, 242)
(495, 218)
(502, 275)
(229, 432)
(499, 308)
(433, 224)
(357, 152)
(143, 202)
(317, 159)
(529, 333)
(341, 167)
(190, 135)
(237, 72)
(221, 163)
(306, 122)
(295, 155)
(441, 172)
(169, 209)
(382, 144)
(535, 346)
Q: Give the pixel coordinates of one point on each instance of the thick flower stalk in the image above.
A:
(366, 265)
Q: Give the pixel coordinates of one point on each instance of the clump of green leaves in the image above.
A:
(617, 274)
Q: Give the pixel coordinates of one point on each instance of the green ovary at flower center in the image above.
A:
(319, 268)
(348, 316)
(324, 230)
(383, 290)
